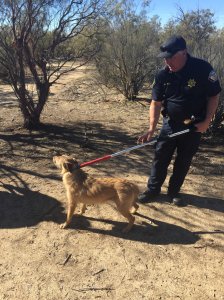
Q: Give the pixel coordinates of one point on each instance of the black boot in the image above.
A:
(147, 196)
(176, 199)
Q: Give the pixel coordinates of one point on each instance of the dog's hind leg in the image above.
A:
(131, 219)
(134, 208)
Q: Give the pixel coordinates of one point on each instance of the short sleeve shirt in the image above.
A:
(185, 93)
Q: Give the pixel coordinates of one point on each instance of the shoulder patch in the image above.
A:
(212, 76)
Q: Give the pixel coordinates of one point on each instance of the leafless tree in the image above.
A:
(37, 40)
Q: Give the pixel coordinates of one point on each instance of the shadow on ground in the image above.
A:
(214, 204)
(204, 202)
(153, 231)
(21, 207)
(160, 233)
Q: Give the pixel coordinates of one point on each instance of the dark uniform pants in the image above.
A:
(186, 146)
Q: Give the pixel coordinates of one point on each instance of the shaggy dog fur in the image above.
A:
(85, 189)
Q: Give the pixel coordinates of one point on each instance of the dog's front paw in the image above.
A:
(64, 225)
(83, 209)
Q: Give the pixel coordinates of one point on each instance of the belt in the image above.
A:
(188, 121)
(192, 120)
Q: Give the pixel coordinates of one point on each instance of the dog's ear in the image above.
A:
(68, 166)
(75, 161)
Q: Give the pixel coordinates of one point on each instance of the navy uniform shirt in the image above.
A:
(185, 93)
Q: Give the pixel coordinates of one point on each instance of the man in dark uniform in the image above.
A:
(185, 90)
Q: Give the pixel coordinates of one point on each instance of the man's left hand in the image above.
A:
(202, 126)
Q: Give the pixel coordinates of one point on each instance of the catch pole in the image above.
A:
(127, 150)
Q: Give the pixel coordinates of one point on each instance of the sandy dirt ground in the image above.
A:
(171, 253)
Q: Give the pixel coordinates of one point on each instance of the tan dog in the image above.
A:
(83, 188)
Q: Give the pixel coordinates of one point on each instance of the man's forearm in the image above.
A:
(211, 108)
(210, 111)
(154, 114)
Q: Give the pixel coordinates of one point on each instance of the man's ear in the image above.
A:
(185, 52)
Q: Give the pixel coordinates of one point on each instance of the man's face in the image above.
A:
(177, 61)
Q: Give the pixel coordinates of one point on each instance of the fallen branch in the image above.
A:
(100, 271)
(67, 259)
(93, 289)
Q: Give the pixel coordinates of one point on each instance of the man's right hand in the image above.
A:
(146, 137)
(154, 113)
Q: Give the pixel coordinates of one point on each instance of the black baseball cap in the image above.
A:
(174, 44)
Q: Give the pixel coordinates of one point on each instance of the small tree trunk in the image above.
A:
(129, 92)
(31, 112)
(31, 122)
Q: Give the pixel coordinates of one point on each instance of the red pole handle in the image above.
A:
(95, 161)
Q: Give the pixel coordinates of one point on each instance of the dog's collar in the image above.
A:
(76, 167)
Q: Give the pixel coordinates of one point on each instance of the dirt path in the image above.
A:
(172, 253)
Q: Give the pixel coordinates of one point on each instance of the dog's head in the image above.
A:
(65, 163)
